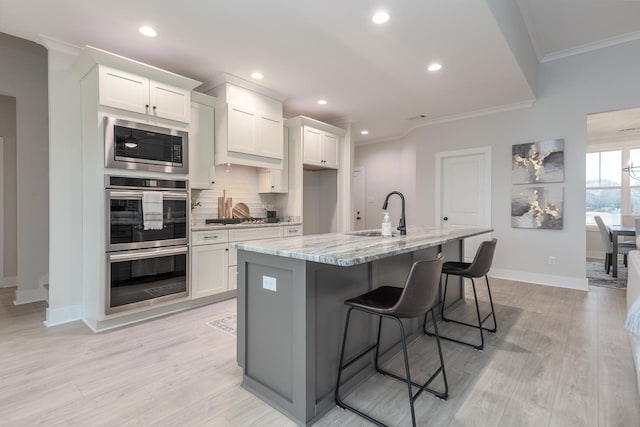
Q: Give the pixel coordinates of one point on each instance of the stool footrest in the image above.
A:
(422, 387)
(494, 329)
(362, 353)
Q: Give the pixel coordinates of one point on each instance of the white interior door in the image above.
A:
(465, 192)
(357, 199)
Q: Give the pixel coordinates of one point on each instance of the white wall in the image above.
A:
(241, 183)
(65, 187)
(568, 89)
(23, 74)
(388, 167)
(10, 188)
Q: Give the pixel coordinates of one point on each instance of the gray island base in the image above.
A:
(291, 311)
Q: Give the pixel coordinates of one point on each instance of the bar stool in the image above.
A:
(479, 267)
(416, 298)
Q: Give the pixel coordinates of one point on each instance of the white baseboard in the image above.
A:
(595, 255)
(581, 284)
(58, 316)
(26, 296)
(9, 282)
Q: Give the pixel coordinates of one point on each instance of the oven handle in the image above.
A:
(172, 195)
(154, 253)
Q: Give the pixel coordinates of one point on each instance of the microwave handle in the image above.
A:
(171, 195)
(154, 253)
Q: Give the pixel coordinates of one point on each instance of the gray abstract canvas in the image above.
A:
(537, 207)
(538, 162)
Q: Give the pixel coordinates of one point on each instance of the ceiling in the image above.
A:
(613, 126)
(372, 76)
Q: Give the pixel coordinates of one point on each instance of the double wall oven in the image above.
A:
(147, 263)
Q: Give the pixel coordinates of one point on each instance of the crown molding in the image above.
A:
(589, 47)
(223, 78)
(452, 118)
(59, 46)
(477, 113)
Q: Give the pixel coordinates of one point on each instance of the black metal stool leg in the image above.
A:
(475, 297)
(493, 311)
(406, 365)
(444, 374)
(344, 341)
(378, 345)
(444, 299)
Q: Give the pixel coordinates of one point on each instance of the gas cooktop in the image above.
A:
(225, 221)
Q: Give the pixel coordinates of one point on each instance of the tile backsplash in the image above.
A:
(241, 183)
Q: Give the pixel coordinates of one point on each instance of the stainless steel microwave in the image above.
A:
(139, 146)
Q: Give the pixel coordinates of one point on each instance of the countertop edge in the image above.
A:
(345, 261)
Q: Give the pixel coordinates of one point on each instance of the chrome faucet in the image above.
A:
(402, 227)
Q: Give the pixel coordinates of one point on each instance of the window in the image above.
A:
(604, 186)
(634, 184)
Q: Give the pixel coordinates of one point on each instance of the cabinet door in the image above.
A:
(312, 147)
(270, 132)
(330, 150)
(126, 91)
(241, 130)
(169, 102)
(208, 270)
(201, 141)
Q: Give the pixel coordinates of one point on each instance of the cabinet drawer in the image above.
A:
(292, 231)
(209, 237)
(240, 235)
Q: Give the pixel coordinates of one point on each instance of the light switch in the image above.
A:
(269, 283)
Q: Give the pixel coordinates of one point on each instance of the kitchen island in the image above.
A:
(291, 311)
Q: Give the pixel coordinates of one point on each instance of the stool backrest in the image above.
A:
(421, 290)
(484, 257)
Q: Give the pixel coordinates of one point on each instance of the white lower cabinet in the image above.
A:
(209, 269)
(214, 265)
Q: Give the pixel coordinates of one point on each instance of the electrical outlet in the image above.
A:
(552, 260)
(269, 283)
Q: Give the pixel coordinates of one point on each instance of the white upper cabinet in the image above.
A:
(249, 127)
(242, 135)
(201, 142)
(320, 148)
(139, 94)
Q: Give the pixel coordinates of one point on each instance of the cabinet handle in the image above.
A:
(147, 107)
(154, 108)
(227, 249)
(210, 237)
(293, 231)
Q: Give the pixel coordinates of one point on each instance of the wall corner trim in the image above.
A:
(59, 316)
(568, 282)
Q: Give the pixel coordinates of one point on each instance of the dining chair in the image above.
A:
(607, 243)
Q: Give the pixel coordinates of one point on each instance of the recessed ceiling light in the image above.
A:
(364, 132)
(257, 75)
(322, 102)
(435, 67)
(380, 17)
(147, 31)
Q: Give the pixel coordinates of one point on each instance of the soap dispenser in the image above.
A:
(386, 225)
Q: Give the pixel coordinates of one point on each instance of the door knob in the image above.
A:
(445, 218)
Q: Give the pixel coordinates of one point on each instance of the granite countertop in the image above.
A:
(347, 249)
(206, 227)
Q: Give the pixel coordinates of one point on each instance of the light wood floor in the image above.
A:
(560, 358)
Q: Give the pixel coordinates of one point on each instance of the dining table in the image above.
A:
(617, 231)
